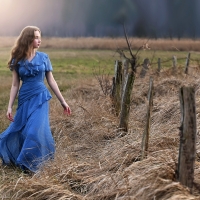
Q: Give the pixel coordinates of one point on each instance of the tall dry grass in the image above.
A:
(94, 162)
(112, 43)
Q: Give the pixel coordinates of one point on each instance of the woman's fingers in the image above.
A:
(9, 116)
(67, 111)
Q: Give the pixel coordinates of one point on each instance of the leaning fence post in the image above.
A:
(187, 63)
(188, 129)
(145, 139)
(126, 100)
(116, 89)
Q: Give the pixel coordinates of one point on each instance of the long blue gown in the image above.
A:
(28, 141)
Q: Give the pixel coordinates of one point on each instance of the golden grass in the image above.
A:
(93, 161)
(111, 43)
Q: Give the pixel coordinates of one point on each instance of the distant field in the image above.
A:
(112, 43)
(74, 57)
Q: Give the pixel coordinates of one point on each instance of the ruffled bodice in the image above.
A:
(32, 74)
(35, 69)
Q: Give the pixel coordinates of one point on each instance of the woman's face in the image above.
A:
(37, 40)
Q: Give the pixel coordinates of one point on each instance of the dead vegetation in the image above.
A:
(112, 43)
(93, 161)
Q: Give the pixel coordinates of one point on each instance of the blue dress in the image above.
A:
(28, 141)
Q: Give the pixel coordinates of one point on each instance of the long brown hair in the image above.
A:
(22, 46)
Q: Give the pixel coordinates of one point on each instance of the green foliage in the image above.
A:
(72, 63)
(76, 63)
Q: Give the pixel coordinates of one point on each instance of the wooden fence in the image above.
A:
(121, 95)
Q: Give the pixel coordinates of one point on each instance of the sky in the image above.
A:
(16, 14)
(75, 18)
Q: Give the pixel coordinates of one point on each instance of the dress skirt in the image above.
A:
(28, 141)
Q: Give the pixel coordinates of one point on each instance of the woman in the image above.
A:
(28, 141)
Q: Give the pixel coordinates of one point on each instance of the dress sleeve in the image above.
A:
(11, 64)
(48, 65)
(16, 68)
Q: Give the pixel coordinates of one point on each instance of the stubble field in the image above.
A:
(93, 159)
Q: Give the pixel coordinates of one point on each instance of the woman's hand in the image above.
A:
(66, 107)
(9, 115)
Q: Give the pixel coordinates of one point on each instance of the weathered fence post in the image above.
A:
(125, 67)
(145, 68)
(188, 129)
(112, 93)
(174, 62)
(187, 63)
(126, 100)
(127, 87)
(159, 66)
(145, 139)
(116, 89)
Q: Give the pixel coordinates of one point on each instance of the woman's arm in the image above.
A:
(53, 85)
(13, 93)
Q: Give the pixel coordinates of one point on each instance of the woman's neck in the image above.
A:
(31, 55)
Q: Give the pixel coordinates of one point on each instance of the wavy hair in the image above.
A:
(22, 46)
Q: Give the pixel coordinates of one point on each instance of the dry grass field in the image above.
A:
(94, 160)
(112, 43)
